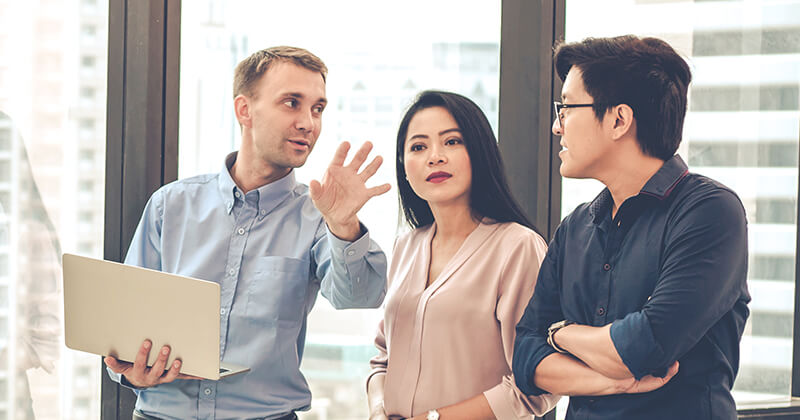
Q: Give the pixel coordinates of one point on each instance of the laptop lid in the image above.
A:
(111, 308)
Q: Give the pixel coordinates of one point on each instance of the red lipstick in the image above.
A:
(438, 177)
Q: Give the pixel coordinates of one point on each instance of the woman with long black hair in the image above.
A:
(460, 280)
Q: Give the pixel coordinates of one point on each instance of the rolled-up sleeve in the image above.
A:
(702, 277)
(544, 308)
(352, 274)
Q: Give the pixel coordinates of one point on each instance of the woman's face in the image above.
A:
(435, 157)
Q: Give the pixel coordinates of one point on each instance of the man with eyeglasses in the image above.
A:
(641, 301)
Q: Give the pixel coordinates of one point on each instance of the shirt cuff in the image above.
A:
(529, 351)
(498, 399)
(376, 371)
(120, 378)
(349, 251)
(636, 345)
(508, 402)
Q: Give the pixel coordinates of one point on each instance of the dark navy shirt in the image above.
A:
(669, 272)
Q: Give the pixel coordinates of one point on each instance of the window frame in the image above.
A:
(142, 133)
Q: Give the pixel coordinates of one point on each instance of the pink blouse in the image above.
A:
(454, 339)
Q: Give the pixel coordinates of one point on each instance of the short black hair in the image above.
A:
(490, 195)
(646, 74)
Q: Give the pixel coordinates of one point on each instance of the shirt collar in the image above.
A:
(269, 196)
(660, 186)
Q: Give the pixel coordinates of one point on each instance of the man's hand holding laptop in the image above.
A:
(140, 376)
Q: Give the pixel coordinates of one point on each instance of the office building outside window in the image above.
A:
(52, 115)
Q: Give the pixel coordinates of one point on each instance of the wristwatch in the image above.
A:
(433, 415)
(552, 330)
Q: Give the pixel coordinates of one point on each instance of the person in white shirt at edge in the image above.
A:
(254, 230)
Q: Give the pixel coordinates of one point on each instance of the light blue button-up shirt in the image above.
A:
(271, 252)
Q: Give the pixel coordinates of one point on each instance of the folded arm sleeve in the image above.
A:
(703, 274)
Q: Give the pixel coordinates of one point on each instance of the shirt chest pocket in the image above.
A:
(277, 291)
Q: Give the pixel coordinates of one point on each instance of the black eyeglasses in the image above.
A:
(558, 106)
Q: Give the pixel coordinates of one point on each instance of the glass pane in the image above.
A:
(52, 142)
(371, 80)
(742, 130)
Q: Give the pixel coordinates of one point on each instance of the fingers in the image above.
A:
(315, 189)
(140, 363)
(116, 366)
(672, 371)
(157, 370)
(380, 189)
(371, 169)
(361, 156)
(173, 372)
(341, 154)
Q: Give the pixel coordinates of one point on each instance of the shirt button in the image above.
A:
(606, 266)
(263, 212)
(601, 310)
(207, 391)
(351, 253)
(237, 194)
(222, 311)
(241, 231)
(232, 271)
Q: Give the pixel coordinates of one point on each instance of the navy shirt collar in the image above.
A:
(269, 196)
(659, 186)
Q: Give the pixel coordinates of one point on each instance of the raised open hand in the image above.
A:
(343, 190)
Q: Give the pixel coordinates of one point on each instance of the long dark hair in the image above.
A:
(490, 195)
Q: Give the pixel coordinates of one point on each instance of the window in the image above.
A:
(5, 139)
(5, 171)
(371, 81)
(88, 93)
(745, 42)
(86, 186)
(86, 217)
(49, 111)
(88, 62)
(88, 32)
(740, 130)
(765, 154)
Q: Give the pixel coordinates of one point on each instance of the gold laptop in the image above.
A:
(111, 308)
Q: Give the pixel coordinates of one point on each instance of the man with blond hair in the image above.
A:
(270, 242)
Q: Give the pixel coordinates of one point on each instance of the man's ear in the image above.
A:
(622, 119)
(241, 106)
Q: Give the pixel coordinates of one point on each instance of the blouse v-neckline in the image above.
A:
(471, 243)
